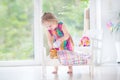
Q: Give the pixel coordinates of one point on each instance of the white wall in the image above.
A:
(102, 11)
(109, 12)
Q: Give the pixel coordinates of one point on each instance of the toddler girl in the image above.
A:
(57, 33)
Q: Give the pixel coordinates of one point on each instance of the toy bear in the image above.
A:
(53, 53)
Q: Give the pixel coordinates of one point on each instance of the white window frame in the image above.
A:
(95, 10)
(38, 40)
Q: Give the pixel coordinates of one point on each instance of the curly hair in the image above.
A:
(47, 16)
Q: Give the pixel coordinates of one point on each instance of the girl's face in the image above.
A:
(50, 25)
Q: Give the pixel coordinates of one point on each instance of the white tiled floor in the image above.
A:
(105, 72)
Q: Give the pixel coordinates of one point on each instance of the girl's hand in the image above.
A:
(60, 39)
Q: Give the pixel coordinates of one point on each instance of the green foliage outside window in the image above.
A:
(16, 22)
(71, 12)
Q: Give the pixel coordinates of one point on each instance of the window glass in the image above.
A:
(16, 29)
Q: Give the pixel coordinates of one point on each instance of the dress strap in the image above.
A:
(60, 25)
(50, 32)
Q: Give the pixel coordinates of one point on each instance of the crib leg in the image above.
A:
(91, 70)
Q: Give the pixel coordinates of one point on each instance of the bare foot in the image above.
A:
(54, 72)
(69, 72)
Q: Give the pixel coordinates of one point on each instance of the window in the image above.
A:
(20, 32)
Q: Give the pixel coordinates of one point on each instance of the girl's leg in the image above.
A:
(56, 69)
(70, 69)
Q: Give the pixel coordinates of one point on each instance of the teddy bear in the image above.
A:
(53, 53)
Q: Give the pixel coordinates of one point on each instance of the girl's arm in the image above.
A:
(66, 34)
(50, 40)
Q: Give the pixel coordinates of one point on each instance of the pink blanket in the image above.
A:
(72, 58)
